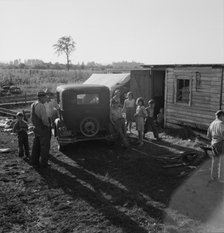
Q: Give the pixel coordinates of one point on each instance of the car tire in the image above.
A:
(89, 127)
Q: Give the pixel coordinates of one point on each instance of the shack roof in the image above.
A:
(164, 66)
(112, 81)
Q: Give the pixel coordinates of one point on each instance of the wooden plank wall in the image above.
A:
(205, 100)
(141, 84)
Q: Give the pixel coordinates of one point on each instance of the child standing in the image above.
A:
(150, 121)
(20, 128)
(140, 117)
(129, 109)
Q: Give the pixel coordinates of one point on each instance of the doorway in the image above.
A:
(158, 88)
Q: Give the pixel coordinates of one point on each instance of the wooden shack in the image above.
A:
(191, 94)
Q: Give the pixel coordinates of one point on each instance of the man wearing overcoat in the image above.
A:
(42, 132)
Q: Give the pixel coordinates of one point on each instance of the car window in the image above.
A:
(87, 98)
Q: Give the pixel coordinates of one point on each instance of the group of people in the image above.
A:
(124, 114)
(144, 117)
(42, 116)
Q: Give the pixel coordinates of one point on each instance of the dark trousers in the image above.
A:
(118, 130)
(150, 123)
(23, 143)
(40, 149)
(217, 165)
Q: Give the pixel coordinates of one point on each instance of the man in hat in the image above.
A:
(216, 134)
(42, 132)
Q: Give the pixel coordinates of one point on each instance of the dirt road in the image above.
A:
(95, 188)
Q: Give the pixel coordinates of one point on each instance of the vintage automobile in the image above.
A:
(84, 113)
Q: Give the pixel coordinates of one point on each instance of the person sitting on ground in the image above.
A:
(150, 120)
(215, 133)
(129, 109)
(20, 128)
(118, 122)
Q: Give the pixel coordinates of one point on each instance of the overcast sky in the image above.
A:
(106, 31)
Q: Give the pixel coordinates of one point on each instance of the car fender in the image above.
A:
(57, 123)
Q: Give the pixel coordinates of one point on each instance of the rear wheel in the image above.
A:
(89, 127)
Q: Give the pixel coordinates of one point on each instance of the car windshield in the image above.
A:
(91, 98)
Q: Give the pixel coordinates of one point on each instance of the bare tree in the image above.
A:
(66, 45)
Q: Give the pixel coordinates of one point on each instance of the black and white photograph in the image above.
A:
(112, 116)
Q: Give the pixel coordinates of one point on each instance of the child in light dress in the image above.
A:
(129, 109)
(140, 116)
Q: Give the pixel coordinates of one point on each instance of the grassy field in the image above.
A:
(33, 80)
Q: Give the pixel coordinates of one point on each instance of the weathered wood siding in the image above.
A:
(204, 98)
(141, 84)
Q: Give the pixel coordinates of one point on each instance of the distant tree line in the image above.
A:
(39, 64)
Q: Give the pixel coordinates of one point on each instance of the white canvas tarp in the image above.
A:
(112, 81)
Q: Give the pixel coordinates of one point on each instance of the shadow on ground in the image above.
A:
(115, 181)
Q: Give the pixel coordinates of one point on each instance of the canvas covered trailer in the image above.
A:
(111, 80)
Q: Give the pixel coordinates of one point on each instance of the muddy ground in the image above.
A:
(92, 187)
